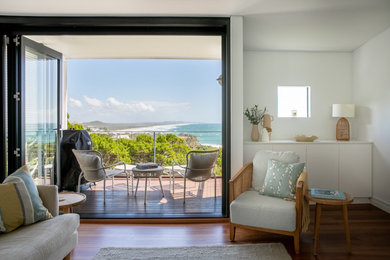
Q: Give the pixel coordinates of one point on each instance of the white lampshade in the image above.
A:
(343, 110)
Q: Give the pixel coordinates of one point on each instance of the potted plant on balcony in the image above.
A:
(255, 115)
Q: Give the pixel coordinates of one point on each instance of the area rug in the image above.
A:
(267, 251)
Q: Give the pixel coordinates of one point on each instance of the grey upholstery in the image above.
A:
(51, 239)
(49, 197)
(255, 210)
(93, 169)
(199, 168)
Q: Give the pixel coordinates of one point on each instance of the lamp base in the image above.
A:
(342, 130)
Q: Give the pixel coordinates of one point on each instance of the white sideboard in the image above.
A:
(330, 164)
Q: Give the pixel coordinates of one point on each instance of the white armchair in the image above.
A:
(251, 210)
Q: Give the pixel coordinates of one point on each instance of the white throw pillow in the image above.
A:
(260, 164)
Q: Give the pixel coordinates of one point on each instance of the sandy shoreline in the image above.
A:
(153, 128)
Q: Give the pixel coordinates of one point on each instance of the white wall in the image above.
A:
(329, 74)
(236, 27)
(371, 92)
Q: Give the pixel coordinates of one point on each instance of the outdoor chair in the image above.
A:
(199, 168)
(251, 209)
(93, 169)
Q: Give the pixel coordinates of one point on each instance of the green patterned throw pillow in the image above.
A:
(281, 178)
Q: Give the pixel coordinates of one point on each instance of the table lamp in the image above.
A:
(342, 126)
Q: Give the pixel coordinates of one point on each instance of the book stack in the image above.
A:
(144, 166)
(327, 194)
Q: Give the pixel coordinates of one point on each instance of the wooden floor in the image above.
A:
(370, 235)
(200, 200)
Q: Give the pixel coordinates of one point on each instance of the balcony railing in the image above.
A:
(161, 147)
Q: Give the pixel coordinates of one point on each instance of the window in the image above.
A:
(293, 101)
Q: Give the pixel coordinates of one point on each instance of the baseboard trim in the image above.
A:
(157, 221)
(383, 205)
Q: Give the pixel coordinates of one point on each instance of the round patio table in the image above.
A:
(148, 173)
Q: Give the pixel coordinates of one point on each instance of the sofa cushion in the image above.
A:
(281, 178)
(11, 211)
(253, 209)
(260, 164)
(27, 196)
(28, 192)
(41, 240)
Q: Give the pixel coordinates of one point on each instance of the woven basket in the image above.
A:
(303, 138)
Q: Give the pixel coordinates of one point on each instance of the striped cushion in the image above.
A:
(28, 204)
(11, 212)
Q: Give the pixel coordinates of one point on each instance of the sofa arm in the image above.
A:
(49, 197)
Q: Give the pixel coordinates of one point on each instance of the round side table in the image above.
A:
(67, 200)
(319, 202)
(148, 173)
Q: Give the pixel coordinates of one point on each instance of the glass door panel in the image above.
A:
(41, 120)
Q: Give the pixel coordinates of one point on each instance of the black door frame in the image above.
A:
(23, 25)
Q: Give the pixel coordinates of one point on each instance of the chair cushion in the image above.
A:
(281, 178)
(21, 203)
(255, 210)
(91, 165)
(260, 164)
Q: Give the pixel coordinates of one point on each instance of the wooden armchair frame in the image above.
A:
(242, 182)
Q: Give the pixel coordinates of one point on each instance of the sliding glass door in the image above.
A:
(41, 82)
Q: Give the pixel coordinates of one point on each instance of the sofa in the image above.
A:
(49, 239)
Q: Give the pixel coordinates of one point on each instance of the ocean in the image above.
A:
(207, 134)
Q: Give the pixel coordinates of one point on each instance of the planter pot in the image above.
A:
(255, 133)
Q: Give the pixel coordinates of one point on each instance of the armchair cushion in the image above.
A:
(281, 178)
(253, 209)
(260, 164)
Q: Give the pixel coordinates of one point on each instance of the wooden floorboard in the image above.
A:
(370, 235)
(199, 201)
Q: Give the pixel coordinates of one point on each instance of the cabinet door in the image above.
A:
(251, 149)
(355, 169)
(298, 148)
(322, 166)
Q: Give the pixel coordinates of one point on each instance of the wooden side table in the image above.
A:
(67, 200)
(319, 202)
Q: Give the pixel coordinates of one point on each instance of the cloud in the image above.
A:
(171, 106)
(134, 107)
(114, 105)
(93, 102)
(74, 102)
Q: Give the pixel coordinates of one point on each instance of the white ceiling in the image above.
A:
(311, 25)
(134, 47)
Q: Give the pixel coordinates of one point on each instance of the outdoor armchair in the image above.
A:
(199, 168)
(93, 169)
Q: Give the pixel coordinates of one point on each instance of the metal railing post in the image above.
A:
(154, 146)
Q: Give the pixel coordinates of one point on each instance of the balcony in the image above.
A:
(161, 147)
(200, 200)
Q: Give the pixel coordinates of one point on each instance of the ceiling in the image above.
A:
(303, 25)
(134, 47)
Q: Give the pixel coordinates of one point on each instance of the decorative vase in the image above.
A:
(255, 133)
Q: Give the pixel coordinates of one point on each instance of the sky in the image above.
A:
(134, 91)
